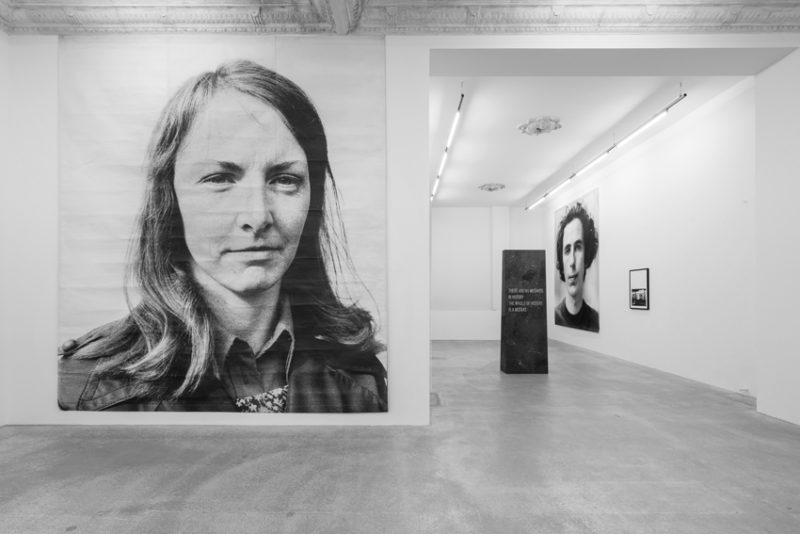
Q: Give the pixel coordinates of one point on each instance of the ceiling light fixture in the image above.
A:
(594, 161)
(447, 146)
(491, 188)
(540, 125)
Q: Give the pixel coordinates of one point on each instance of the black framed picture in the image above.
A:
(639, 286)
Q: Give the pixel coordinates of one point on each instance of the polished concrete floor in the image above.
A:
(597, 446)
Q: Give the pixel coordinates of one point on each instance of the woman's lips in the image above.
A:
(258, 253)
(252, 248)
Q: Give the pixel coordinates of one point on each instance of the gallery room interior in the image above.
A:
(637, 161)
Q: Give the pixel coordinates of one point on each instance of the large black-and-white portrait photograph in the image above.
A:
(577, 248)
(222, 224)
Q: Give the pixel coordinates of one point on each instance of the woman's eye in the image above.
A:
(217, 179)
(287, 183)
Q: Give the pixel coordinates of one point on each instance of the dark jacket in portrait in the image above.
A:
(587, 317)
(322, 376)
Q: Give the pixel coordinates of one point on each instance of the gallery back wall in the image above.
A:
(466, 271)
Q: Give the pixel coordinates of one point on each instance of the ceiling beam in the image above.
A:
(173, 16)
(5, 15)
(345, 14)
(384, 17)
(578, 16)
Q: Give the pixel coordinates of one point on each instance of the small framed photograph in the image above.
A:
(639, 285)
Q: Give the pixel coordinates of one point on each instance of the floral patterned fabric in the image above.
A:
(273, 401)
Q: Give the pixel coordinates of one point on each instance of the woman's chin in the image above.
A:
(249, 286)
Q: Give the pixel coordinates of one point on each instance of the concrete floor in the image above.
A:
(597, 446)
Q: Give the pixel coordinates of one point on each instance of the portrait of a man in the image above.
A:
(576, 248)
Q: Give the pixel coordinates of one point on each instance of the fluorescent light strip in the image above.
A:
(452, 130)
(556, 188)
(591, 164)
(635, 133)
(441, 165)
(625, 140)
(447, 147)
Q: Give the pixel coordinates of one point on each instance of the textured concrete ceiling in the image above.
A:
(398, 16)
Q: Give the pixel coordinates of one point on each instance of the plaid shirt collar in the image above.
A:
(223, 340)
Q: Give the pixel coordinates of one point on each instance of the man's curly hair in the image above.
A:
(590, 240)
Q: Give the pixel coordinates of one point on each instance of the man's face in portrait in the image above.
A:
(574, 270)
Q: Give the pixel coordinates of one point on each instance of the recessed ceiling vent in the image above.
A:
(491, 187)
(540, 125)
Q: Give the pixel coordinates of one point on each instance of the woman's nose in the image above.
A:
(255, 211)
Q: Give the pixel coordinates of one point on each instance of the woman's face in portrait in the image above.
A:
(242, 184)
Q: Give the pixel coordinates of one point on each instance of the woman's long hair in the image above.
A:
(166, 345)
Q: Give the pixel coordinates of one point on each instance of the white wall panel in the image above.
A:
(500, 241)
(777, 194)
(408, 227)
(29, 219)
(465, 325)
(467, 244)
(461, 259)
(528, 228)
(5, 306)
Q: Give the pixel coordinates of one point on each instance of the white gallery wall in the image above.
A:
(30, 231)
(466, 271)
(777, 196)
(5, 308)
(680, 204)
